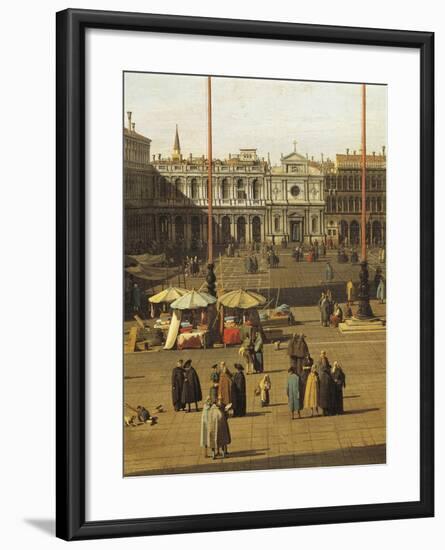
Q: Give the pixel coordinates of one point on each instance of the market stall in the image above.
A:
(166, 296)
(189, 324)
(239, 315)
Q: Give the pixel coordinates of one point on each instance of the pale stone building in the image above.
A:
(252, 200)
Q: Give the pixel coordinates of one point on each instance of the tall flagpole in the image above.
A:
(364, 311)
(211, 278)
(209, 176)
(363, 172)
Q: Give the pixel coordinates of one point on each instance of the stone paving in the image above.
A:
(266, 437)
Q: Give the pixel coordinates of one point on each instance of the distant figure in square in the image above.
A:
(239, 391)
(218, 433)
(381, 290)
(293, 393)
(325, 310)
(339, 378)
(225, 385)
(258, 351)
(191, 390)
(350, 291)
(312, 392)
(214, 380)
(329, 272)
(297, 350)
(265, 385)
(205, 424)
(177, 385)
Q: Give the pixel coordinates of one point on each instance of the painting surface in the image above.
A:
(254, 300)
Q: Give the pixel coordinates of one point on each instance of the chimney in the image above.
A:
(307, 156)
(373, 153)
(383, 150)
(347, 151)
(281, 156)
(133, 126)
(312, 158)
(154, 157)
(190, 156)
(355, 151)
(129, 113)
(230, 156)
(322, 158)
(159, 156)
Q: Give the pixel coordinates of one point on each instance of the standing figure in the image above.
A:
(218, 433)
(337, 316)
(323, 362)
(350, 291)
(225, 385)
(339, 378)
(265, 385)
(329, 272)
(239, 391)
(297, 350)
(381, 290)
(325, 309)
(302, 381)
(214, 380)
(191, 390)
(136, 298)
(326, 390)
(205, 425)
(246, 352)
(177, 385)
(293, 392)
(258, 351)
(312, 392)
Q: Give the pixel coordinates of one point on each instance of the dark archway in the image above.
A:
(343, 230)
(225, 230)
(376, 232)
(256, 229)
(354, 230)
(179, 229)
(241, 230)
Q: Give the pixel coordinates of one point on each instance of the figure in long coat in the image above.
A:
(293, 392)
(350, 291)
(329, 272)
(312, 392)
(177, 385)
(225, 385)
(258, 353)
(325, 310)
(326, 391)
(218, 433)
(381, 290)
(239, 392)
(302, 381)
(205, 425)
(191, 390)
(297, 349)
(339, 378)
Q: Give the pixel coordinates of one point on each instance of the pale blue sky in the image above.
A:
(264, 114)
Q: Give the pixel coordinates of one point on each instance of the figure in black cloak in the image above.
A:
(239, 391)
(191, 390)
(339, 378)
(297, 350)
(177, 385)
(326, 390)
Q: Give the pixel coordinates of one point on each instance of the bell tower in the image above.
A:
(176, 147)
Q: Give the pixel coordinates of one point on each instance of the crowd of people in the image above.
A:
(317, 388)
(313, 251)
(192, 266)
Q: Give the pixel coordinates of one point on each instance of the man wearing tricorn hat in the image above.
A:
(191, 390)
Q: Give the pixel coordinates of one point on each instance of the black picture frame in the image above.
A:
(70, 171)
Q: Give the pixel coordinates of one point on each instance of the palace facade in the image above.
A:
(166, 198)
(343, 194)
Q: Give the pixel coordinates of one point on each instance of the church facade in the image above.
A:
(253, 201)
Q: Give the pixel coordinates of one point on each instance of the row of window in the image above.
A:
(354, 183)
(354, 204)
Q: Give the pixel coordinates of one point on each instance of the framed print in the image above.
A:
(244, 274)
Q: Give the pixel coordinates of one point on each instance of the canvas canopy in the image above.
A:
(243, 299)
(193, 300)
(168, 295)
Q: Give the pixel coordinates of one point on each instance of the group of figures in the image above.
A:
(313, 252)
(192, 266)
(331, 314)
(313, 386)
(251, 264)
(251, 351)
(186, 386)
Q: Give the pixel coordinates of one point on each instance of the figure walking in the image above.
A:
(293, 393)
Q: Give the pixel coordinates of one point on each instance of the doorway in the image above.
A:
(296, 233)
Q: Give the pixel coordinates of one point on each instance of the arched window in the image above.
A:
(351, 204)
(225, 189)
(314, 225)
(179, 188)
(277, 223)
(357, 204)
(256, 189)
(379, 204)
(162, 188)
(333, 204)
(194, 188)
(240, 189)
